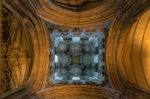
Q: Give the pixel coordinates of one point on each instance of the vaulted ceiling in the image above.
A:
(70, 13)
(127, 47)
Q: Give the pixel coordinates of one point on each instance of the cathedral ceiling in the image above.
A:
(16, 53)
(127, 49)
(22, 52)
(127, 62)
(61, 12)
(78, 92)
(132, 50)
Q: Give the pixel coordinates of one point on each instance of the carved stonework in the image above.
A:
(83, 13)
(15, 54)
(78, 92)
(127, 48)
(75, 61)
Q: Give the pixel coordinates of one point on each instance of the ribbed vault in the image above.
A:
(136, 52)
(78, 92)
(51, 12)
(127, 50)
(16, 52)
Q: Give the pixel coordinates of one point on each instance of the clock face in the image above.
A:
(78, 58)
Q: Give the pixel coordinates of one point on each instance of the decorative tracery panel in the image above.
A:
(16, 53)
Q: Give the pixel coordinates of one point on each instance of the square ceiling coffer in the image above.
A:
(77, 57)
